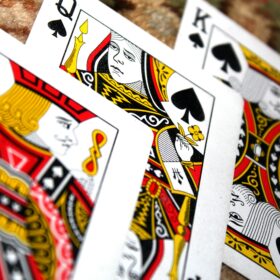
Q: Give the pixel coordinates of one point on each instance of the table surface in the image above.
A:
(161, 18)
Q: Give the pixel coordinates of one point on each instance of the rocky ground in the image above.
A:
(161, 18)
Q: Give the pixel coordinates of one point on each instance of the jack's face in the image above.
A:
(124, 61)
(56, 129)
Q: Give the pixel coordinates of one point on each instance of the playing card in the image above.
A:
(195, 131)
(235, 57)
(70, 168)
(211, 41)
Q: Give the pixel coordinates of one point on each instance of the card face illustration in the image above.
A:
(55, 158)
(179, 114)
(62, 148)
(104, 52)
(237, 59)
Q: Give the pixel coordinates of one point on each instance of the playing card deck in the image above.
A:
(210, 41)
(195, 128)
(72, 163)
(68, 167)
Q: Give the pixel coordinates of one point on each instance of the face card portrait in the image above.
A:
(55, 158)
(179, 118)
(127, 66)
(240, 61)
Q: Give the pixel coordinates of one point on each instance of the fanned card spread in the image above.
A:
(70, 166)
(180, 216)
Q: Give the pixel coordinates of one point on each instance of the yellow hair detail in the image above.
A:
(21, 109)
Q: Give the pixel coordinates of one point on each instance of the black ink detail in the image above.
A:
(196, 39)
(187, 99)
(226, 53)
(196, 278)
(235, 218)
(58, 27)
(177, 175)
(235, 198)
(278, 244)
(16, 264)
(63, 11)
(200, 18)
(53, 177)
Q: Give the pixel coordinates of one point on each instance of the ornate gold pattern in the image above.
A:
(12, 228)
(13, 183)
(246, 137)
(82, 217)
(252, 182)
(143, 206)
(143, 234)
(261, 65)
(19, 186)
(122, 91)
(107, 91)
(71, 62)
(62, 204)
(40, 240)
(21, 109)
(262, 121)
(254, 253)
(163, 74)
(179, 241)
(153, 183)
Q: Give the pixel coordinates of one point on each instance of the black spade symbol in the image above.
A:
(196, 39)
(278, 244)
(226, 53)
(58, 27)
(187, 99)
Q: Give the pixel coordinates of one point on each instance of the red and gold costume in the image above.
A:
(54, 207)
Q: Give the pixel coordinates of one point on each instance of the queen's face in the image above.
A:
(124, 60)
(56, 129)
(270, 103)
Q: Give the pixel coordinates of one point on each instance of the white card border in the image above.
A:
(233, 259)
(224, 100)
(103, 222)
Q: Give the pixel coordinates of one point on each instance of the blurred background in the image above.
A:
(162, 17)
